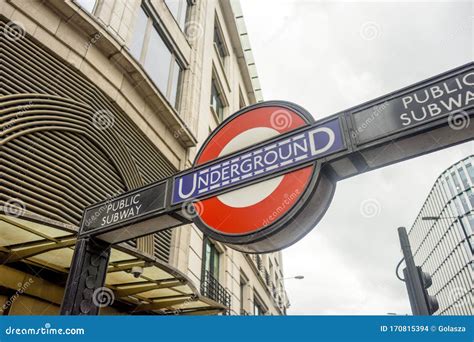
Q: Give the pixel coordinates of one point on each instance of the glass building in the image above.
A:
(442, 240)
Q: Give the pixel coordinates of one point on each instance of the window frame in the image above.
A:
(146, 37)
(258, 303)
(270, 268)
(154, 24)
(215, 83)
(243, 286)
(470, 171)
(217, 31)
(215, 252)
(186, 14)
(94, 8)
(464, 177)
(242, 102)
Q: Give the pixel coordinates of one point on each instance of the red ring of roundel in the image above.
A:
(239, 221)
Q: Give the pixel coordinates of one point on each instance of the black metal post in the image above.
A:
(86, 277)
(412, 278)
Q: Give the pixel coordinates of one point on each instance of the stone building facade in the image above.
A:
(99, 97)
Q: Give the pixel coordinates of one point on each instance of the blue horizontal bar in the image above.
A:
(241, 329)
(276, 155)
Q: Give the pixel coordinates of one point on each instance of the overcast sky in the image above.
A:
(329, 56)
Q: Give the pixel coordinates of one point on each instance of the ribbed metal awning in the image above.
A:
(160, 289)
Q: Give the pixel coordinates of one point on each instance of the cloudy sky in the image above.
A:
(329, 56)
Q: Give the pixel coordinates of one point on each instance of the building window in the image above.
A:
(158, 60)
(210, 285)
(179, 10)
(258, 307)
(281, 290)
(279, 301)
(270, 269)
(450, 185)
(219, 42)
(241, 100)
(456, 182)
(464, 203)
(259, 262)
(463, 177)
(243, 297)
(217, 103)
(87, 5)
(470, 195)
(138, 34)
(211, 259)
(175, 81)
(470, 170)
(470, 218)
(242, 290)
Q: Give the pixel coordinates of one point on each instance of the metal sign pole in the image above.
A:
(412, 279)
(86, 277)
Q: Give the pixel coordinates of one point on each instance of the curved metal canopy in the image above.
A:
(160, 289)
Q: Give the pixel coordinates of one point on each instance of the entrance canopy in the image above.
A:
(45, 253)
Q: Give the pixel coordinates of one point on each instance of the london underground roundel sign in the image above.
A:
(279, 207)
(267, 174)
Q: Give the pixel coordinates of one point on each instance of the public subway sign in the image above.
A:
(436, 98)
(130, 206)
(267, 174)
